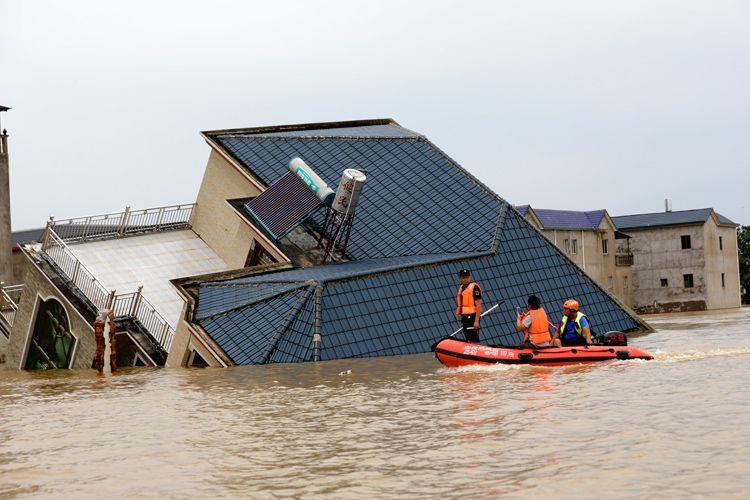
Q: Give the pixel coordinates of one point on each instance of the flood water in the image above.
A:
(400, 427)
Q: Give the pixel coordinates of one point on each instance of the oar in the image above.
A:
(485, 312)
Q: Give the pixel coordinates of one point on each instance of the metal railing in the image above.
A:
(135, 305)
(118, 224)
(9, 297)
(132, 304)
(624, 259)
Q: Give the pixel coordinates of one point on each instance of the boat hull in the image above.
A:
(454, 353)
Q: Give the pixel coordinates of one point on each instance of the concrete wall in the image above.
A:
(217, 222)
(658, 254)
(38, 288)
(721, 257)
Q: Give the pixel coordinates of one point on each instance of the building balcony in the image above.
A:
(624, 259)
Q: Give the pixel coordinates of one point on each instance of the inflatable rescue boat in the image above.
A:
(613, 345)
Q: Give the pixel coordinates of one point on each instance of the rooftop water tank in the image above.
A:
(311, 179)
(347, 194)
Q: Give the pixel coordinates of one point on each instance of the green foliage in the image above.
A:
(743, 243)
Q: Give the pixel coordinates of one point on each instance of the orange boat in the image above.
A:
(454, 352)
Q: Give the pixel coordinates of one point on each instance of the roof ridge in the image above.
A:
(302, 126)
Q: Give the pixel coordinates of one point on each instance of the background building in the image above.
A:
(589, 239)
(682, 261)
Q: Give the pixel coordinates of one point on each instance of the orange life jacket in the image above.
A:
(538, 331)
(465, 299)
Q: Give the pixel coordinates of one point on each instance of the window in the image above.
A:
(625, 282)
(685, 240)
(687, 280)
(258, 256)
(721, 243)
(575, 246)
(566, 245)
(610, 282)
(605, 246)
(722, 280)
(664, 282)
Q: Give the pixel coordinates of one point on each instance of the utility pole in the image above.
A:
(6, 250)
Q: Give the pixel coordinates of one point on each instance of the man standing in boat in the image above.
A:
(574, 327)
(534, 323)
(469, 308)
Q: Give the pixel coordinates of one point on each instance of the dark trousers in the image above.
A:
(470, 333)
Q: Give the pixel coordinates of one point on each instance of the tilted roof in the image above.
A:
(420, 220)
(660, 219)
(411, 185)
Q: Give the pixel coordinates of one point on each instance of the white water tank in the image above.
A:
(347, 194)
(311, 179)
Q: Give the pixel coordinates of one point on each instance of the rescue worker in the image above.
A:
(534, 324)
(469, 308)
(574, 327)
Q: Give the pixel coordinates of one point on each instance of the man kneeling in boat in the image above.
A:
(574, 327)
(534, 324)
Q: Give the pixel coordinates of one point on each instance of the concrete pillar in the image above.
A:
(6, 257)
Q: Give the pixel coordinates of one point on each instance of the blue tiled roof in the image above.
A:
(398, 305)
(413, 202)
(569, 219)
(682, 217)
(522, 209)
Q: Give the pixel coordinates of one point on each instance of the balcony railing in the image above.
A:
(132, 304)
(9, 297)
(624, 259)
(118, 224)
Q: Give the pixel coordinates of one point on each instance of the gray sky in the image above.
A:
(577, 105)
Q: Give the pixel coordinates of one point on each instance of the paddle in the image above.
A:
(485, 312)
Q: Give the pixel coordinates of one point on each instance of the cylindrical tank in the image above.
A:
(347, 194)
(315, 183)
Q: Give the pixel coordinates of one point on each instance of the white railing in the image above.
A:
(118, 224)
(132, 304)
(135, 305)
(9, 296)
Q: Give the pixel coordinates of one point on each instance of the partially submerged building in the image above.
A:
(271, 265)
(683, 260)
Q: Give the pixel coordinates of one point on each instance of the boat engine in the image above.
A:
(614, 338)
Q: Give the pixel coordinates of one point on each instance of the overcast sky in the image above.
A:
(575, 105)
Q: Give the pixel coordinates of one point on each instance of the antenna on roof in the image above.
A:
(3, 108)
(340, 216)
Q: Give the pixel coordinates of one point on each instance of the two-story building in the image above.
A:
(683, 260)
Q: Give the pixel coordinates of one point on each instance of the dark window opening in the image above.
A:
(197, 361)
(258, 256)
(685, 240)
(51, 344)
(721, 243)
(688, 280)
(722, 280)
(664, 282)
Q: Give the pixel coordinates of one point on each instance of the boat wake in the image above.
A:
(694, 355)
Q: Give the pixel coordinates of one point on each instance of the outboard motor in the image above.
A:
(614, 338)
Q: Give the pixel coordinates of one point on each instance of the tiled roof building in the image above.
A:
(420, 219)
(684, 260)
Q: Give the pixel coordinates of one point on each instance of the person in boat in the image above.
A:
(469, 308)
(574, 327)
(534, 323)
